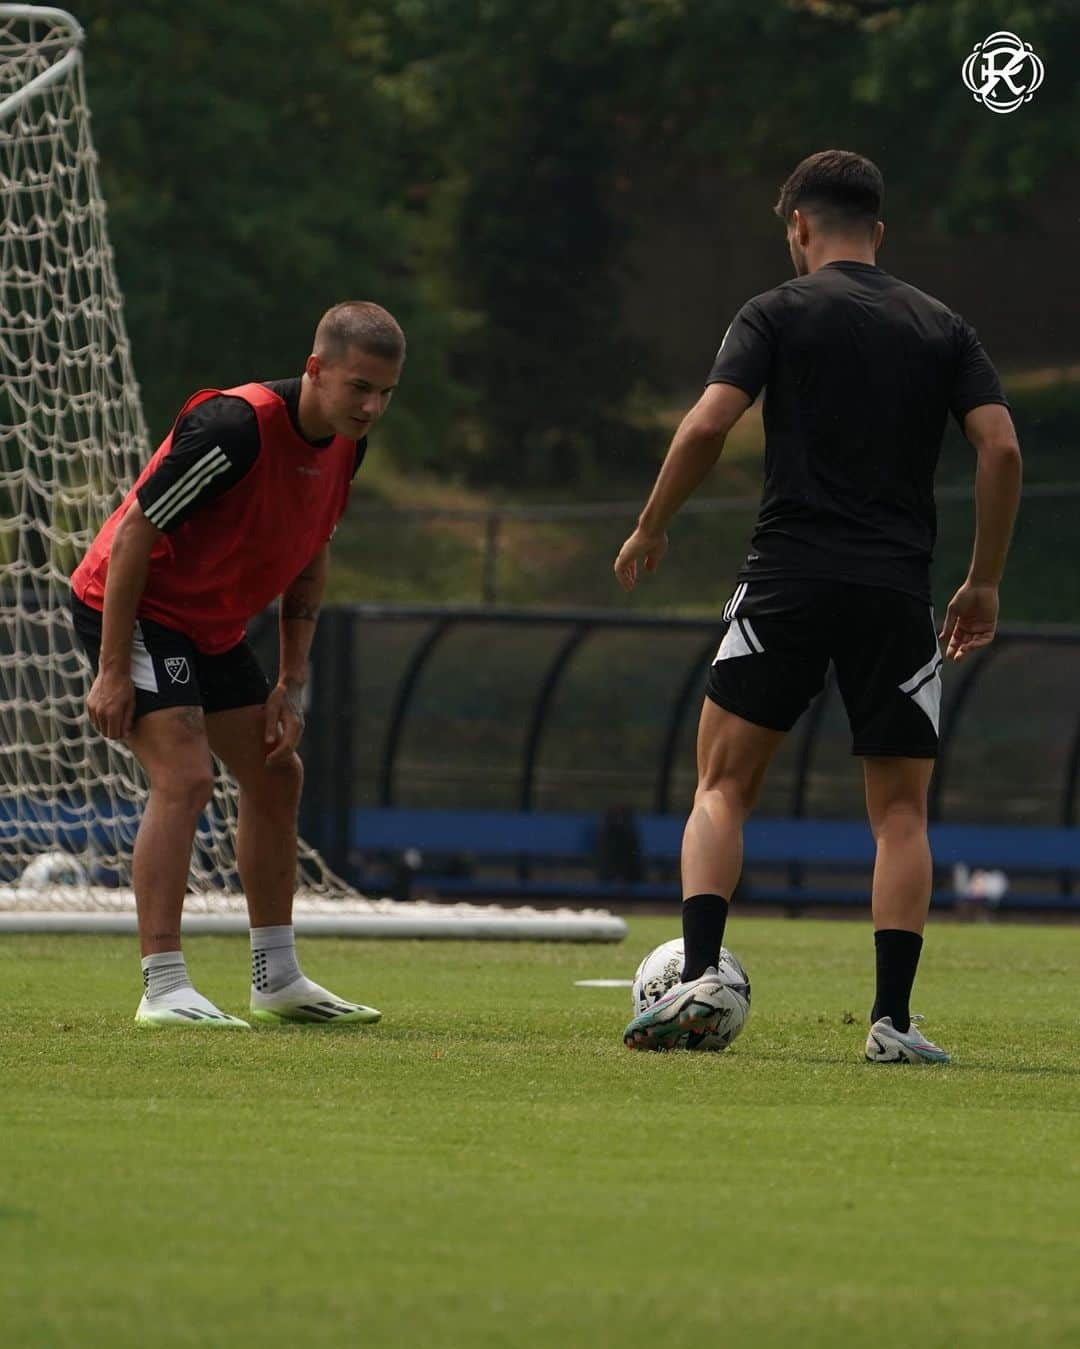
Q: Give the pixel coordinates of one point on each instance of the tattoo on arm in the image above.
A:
(296, 607)
(303, 597)
(294, 695)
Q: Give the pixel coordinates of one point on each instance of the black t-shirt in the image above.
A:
(860, 372)
(213, 447)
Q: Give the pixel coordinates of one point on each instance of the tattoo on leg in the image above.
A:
(191, 719)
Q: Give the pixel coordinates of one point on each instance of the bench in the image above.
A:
(533, 847)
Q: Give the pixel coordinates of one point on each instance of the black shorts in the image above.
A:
(169, 671)
(779, 640)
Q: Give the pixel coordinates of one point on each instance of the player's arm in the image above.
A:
(979, 405)
(212, 448)
(298, 614)
(693, 452)
(971, 618)
(111, 701)
(739, 372)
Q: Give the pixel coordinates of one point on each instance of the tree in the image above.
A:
(257, 165)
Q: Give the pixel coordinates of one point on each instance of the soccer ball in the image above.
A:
(53, 868)
(661, 970)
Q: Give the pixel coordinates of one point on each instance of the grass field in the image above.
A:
(489, 1167)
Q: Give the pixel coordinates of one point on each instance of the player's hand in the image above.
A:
(110, 704)
(970, 620)
(639, 547)
(284, 722)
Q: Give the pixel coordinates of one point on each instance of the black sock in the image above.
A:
(703, 920)
(897, 960)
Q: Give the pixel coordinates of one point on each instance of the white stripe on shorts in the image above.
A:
(750, 635)
(924, 689)
(733, 603)
(142, 665)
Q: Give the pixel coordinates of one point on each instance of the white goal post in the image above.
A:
(72, 440)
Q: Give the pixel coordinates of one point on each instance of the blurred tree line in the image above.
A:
(477, 167)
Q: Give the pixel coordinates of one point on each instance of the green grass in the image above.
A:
(489, 1167)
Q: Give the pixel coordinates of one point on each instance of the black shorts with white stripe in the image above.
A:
(168, 670)
(779, 640)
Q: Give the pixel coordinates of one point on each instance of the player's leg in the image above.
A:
(169, 740)
(171, 746)
(770, 664)
(266, 844)
(269, 800)
(887, 672)
(768, 668)
(896, 791)
(733, 755)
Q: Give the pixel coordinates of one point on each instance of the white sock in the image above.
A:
(273, 958)
(164, 973)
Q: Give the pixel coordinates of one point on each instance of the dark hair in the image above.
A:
(359, 323)
(842, 189)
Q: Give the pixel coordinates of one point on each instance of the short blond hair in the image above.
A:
(362, 324)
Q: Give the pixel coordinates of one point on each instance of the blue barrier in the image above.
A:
(551, 839)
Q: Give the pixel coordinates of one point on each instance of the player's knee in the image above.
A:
(185, 788)
(735, 791)
(898, 820)
(277, 789)
(292, 779)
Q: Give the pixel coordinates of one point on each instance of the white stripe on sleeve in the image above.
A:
(187, 486)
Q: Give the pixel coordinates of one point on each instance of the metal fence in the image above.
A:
(585, 710)
(561, 556)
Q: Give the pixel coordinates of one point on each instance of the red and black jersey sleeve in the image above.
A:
(213, 447)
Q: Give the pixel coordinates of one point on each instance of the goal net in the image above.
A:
(72, 440)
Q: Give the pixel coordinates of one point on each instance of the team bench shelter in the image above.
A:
(793, 863)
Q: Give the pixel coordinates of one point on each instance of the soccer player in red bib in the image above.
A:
(235, 509)
(860, 372)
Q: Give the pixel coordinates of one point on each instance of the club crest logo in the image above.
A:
(176, 667)
(1002, 72)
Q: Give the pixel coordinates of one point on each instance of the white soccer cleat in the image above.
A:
(698, 1006)
(307, 1004)
(185, 1007)
(885, 1044)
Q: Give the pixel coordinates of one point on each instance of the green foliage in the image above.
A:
(1047, 417)
(530, 182)
(258, 165)
(481, 169)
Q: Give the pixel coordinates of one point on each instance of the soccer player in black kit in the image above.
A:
(860, 372)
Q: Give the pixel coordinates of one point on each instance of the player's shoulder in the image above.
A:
(924, 299)
(761, 312)
(766, 301)
(222, 412)
(827, 283)
(222, 423)
(286, 389)
(779, 300)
